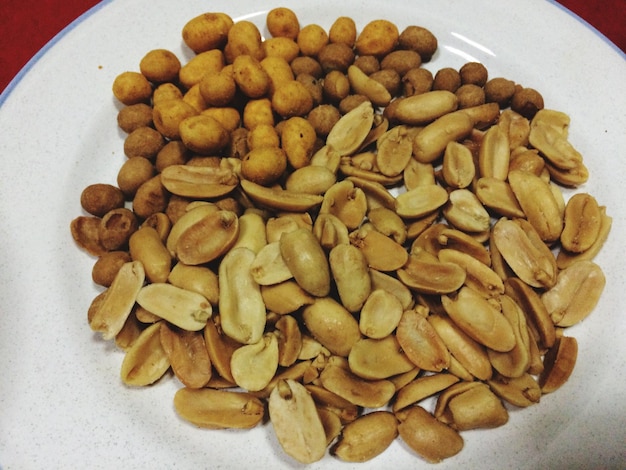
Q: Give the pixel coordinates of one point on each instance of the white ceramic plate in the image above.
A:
(62, 404)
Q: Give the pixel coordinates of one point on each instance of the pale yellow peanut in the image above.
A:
(360, 392)
(332, 325)
(494, 154)
(430, 143)
(465, 351)
(382, 253)
(350, 131)
(218, 409)
(421, 343)
(375, 359)
(186, 309)
(576, 293)
(520, 391)
(366, 437)
(254, 365)
(565, 258)
(420, 201)
(269, 267)
(426, 107)
(285, 297)
(391, 285)
(458, 165)
(208, 238)
(241, 306)
(380, 313)
(465, 212)
(305, 258)
(431, 439)
(393, 151)
(187, 354)
(145, 361)
(146, 245)
(251, 231)
(422, 388)
(472, 407)
(289, 339)
(116, 305)
(427, 275)
(582, 222)
(497, 195)
(350, 272)
(559, 364)
(479, 319)
(198, 279)
(296, 422)
(280, 199)
(479, 276)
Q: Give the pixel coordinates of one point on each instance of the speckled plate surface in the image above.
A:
(62, 404)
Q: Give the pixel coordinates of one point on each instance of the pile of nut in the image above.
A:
(315, 227)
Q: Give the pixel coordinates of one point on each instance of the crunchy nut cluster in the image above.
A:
(315, 227)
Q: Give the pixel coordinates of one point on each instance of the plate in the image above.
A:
(62, 404)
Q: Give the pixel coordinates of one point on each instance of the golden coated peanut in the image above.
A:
(145, 361)
(298, 140)
(280, 199)
(253, 365)
(292, 99)
(203, 134)
(187, 354)
(98, 199)
(576, 293)
(426, 107)
(479, 276)
(332, 325)
(131, 88)
(520, 391)
(538, 203)
(465, 211)
(133, 116)
(264, 165)
(515, 362)
(85, 232)
(559, 364)
(366, 437)
(582, 222)
(107, 266)
(206, 31)
(499, 90)
(431, 439)
(282, 22)
(269, 267)
(146, 245)
(350, 131)
(380, 313)
(350, 272)
(241, 307)
(421, 343)
(430, 143)
(422, 388)
(168, 115)
(420, 201)
(306, 260)
(218, 409)
(208, 238)
(458, 165)
(471, 355)
(244, 38)
(424, 273)
(160, 65)
(497, 195)
(471, 406)
(382, 253)
(250, 77)
(534, 309)
(377, 38)
(185, 309)
(116, 227)
(113, 310)
(296, 422)
(358, 391)
(151, 197)
(533, 263)
(336, 56)
(375, 359)
(198, 279)
(479, 319)
(364, 85)
(286, 297)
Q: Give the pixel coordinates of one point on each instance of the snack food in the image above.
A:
(353, 150)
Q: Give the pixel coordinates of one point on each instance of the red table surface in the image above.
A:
(27, 25)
